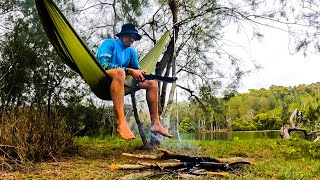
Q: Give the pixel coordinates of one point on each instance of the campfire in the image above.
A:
(180, 165)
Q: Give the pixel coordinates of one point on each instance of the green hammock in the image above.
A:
(76, 54)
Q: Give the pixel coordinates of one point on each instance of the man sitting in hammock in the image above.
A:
(119, 59)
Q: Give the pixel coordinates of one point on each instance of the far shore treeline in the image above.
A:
(263, 109)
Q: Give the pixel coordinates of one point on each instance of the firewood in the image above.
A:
(236, 159)
(127, 167)
(185, 158)
(224, 174)
(140, 166)
(214, 165)
(164, 165)
(142, 157)
(229, 163)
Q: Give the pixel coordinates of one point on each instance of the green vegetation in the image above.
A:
(256, 110)
(274, 159)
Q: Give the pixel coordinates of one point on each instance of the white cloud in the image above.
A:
(272, 53)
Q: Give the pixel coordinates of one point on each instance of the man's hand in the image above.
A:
(137, 74)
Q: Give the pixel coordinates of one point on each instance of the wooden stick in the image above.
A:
(185, 158)
(313, 132)
(142, 157)
(236, 159)
(147, 166)
(214, 165)
(127, 167)
(224, 174)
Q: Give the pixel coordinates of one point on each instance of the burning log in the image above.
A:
(195, 165)
(168, 155)
(185, 158)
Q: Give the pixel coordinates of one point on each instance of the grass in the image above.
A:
(274, 159)
(27, 134)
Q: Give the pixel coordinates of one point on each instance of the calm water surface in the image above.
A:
(205, 136)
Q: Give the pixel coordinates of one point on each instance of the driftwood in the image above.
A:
(182, 165)
(286, 130)
(294, 125)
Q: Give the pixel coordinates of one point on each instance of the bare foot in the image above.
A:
(158, 128)
(125, 132)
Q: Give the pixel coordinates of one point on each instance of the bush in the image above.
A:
(27, 134)
(242, 125)
(186, 126)
(90, 120)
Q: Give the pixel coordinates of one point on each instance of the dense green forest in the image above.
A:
(255, 110)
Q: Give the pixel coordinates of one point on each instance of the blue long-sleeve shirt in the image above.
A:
(113, 54)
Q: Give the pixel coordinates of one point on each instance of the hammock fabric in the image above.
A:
(76, 54)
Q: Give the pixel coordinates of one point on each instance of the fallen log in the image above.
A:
(293, 126)
(286, 130)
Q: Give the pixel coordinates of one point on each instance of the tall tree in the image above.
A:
(33, 72)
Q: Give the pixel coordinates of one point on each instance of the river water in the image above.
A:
(207, 136)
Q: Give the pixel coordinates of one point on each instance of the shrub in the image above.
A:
(186, 126)
(27, 134)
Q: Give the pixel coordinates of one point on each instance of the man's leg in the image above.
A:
(117, 95)
(151, 87)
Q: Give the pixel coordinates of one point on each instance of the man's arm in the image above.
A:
(134, 68)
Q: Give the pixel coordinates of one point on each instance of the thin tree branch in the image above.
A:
(191, 94)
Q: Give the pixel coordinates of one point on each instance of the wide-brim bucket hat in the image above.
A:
(129, 28)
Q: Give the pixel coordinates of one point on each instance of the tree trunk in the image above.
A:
(168, 56)
(168, 60)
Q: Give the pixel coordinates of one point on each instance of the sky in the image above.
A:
(279, 67)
